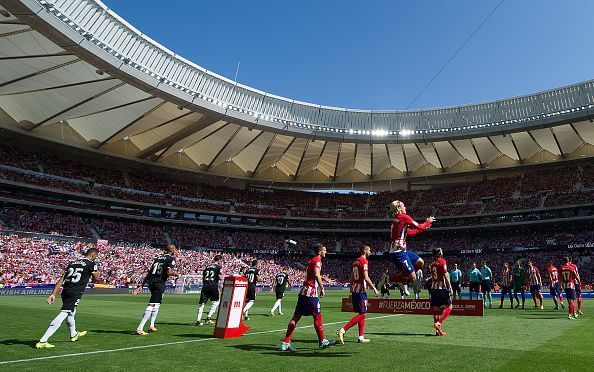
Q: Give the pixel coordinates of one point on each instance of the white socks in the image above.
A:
(154, 314)
(54, 325)
(247, 307)
(147, 314)
(200, 311)
(277, 305)
(71, 323)
(213, 308)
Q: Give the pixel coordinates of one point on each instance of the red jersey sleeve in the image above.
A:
(415, 227)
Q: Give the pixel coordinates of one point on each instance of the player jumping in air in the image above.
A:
(519, 283)
(486, 275)
(251, 274)
(308, 302)
(554, 285)
(455, 277)
(279, 285)
(507, 279)
(210, 290)
(570, 280)
(535, 282)
(359, 282)
(75, 280)
(161, 269)
(403, 226)
(441, 291)
(578, 290)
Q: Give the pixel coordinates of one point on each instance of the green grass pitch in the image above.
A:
(501, 340)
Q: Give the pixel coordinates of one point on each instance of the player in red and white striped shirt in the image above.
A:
(578, 290)
(308, 303)
(441, 291)
(570, 279)
(507, 278)
(535, 282)
(554, 285)
(359, 282)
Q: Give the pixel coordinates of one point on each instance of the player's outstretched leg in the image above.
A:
(213, 307)
(199, 314)
(444, 314)
(154, 314)
(579, 302)
(286, 345)
(53, 327)
(145, 317)
(71, 322)
(358, 319)
(276, 306)
(247, 307)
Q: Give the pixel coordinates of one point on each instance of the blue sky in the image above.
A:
(378, 54)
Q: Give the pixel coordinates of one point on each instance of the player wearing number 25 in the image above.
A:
(75, 280)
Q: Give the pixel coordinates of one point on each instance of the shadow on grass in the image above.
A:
(15, 341)
(539, 317)
(177, 323)
(193, 335)
(400, 334)
(114, 331)
(306, 353)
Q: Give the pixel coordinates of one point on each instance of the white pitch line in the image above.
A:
(167, 343)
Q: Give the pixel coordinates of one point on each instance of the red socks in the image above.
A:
(291, 328)
(355, 320)
(579, 303)
(571, 308)
(445, 314)
(318, 326)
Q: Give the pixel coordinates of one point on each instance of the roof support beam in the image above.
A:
(301, 160)
(557, 143)
(168, 141)
(59, 86)
(83, 102)
(144, 114)
(515, 148)
(336, 164)
(438, 157)
(577, 133)
(223, 148)
(477, 154)
(75, 60)
(405, 161)
(264, 154)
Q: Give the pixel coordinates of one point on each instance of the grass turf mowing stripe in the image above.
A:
(168, 343)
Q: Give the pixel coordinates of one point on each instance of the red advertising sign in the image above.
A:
(415, 307)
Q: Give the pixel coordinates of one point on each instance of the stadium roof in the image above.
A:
(73, 71)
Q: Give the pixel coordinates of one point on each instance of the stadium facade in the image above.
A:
(74, 73)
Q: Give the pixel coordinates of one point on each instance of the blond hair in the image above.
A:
(396, 206)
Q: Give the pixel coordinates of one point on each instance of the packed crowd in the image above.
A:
(555, 187)
(36, 261)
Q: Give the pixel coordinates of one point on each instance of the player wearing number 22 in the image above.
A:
(308, 303)
(210, 290)
(359, 282)
(161, 269)
(441, 291)
(75, 280)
